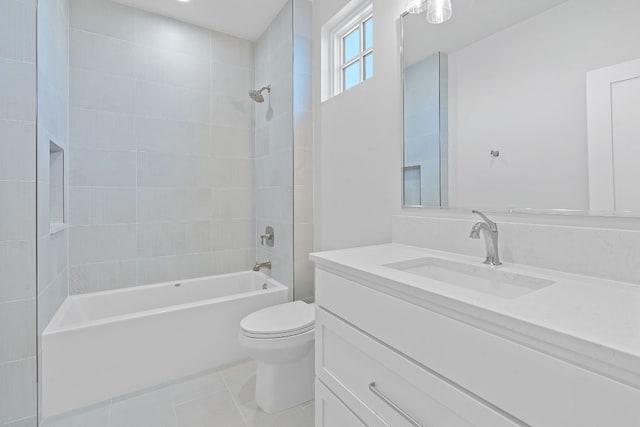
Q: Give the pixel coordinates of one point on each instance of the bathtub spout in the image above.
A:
(260, 265)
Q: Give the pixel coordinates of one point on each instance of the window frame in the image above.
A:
(345, 27)
(360, 57)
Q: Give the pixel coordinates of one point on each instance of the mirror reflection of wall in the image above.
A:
(425, 131)
(518, 84)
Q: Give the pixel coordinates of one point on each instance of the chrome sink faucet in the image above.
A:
(490, 231)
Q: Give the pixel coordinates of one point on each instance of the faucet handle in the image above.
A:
(491, 224)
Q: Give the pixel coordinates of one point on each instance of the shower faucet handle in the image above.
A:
(268, 237)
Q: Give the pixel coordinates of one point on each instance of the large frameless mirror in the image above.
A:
(524, 106)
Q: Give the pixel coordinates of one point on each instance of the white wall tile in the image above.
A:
(233, 203)
(103, 17)
(17, 327)
(166, 33)
(17, 142)
(164, 66)
(172, 102)
(90, 167)
(52, 258)
(17, 90)
(233, 142)
(17, 210)
(231, 50)
(99, 243)
(17, 270)
(96, 52)
(233, 234)
(18, 391)
(233, 260)
(232, 172)
(167, 170)
(17, 31)
(172, 136)
(86, 278)
(232, 80)
(101, 129)
(51, 298)
(173, 238)
(234, 111)
(175, 267)
(100, 91)
(98, 205)
(173, 204)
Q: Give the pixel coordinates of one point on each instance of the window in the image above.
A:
(356, 52)
(347, 49)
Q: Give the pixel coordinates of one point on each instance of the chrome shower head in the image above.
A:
(257, 96)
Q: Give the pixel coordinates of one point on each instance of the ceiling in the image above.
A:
(246, 19)
(472, 20)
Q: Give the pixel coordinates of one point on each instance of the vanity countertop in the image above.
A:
(587, 321)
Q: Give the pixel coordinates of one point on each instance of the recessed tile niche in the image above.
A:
(56, 187)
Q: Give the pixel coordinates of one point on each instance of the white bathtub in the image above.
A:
(102, 345)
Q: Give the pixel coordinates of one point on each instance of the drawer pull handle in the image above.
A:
(399, 410)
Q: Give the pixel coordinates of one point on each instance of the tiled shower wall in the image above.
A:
(17, 213)
(284, 133)
(161, 149)
(53, 117)
(274, 144)
(302, 150)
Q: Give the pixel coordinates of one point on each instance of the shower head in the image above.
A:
(257, 96)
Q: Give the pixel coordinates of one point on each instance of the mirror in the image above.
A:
(524, 106)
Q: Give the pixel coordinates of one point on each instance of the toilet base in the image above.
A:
(285, 385)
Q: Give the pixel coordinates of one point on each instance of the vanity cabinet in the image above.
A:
(395, 363)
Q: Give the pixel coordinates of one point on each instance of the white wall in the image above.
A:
(522, 91)
(358, 140)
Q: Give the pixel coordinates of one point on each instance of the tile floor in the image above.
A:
(223, 398)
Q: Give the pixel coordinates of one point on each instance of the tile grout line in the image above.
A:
(235, 402)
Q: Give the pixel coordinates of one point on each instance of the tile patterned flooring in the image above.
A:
(222, 398)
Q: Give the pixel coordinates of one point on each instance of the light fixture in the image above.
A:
(184, 1)
(415, 7)
(439, 11)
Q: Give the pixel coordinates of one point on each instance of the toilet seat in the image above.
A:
(279, 321)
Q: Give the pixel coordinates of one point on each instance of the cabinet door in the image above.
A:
(396, 389)
(534, 387)
(331, 412)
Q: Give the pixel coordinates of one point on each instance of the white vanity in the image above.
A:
(414, 337)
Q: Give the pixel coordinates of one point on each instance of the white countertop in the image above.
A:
(590, 322)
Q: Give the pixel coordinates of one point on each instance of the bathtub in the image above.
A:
(102, 345)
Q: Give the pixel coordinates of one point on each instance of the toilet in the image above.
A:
(281, 339)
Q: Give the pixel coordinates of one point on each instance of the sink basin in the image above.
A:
(479, 278)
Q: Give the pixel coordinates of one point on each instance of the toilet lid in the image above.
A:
(280, 320)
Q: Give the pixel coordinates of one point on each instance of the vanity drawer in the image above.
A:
(532, 386)
(388, 384)
(331, 412)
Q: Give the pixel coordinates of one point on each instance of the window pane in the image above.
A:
(368, 34)
(352, 75)
(351, 45)
(368, 66)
